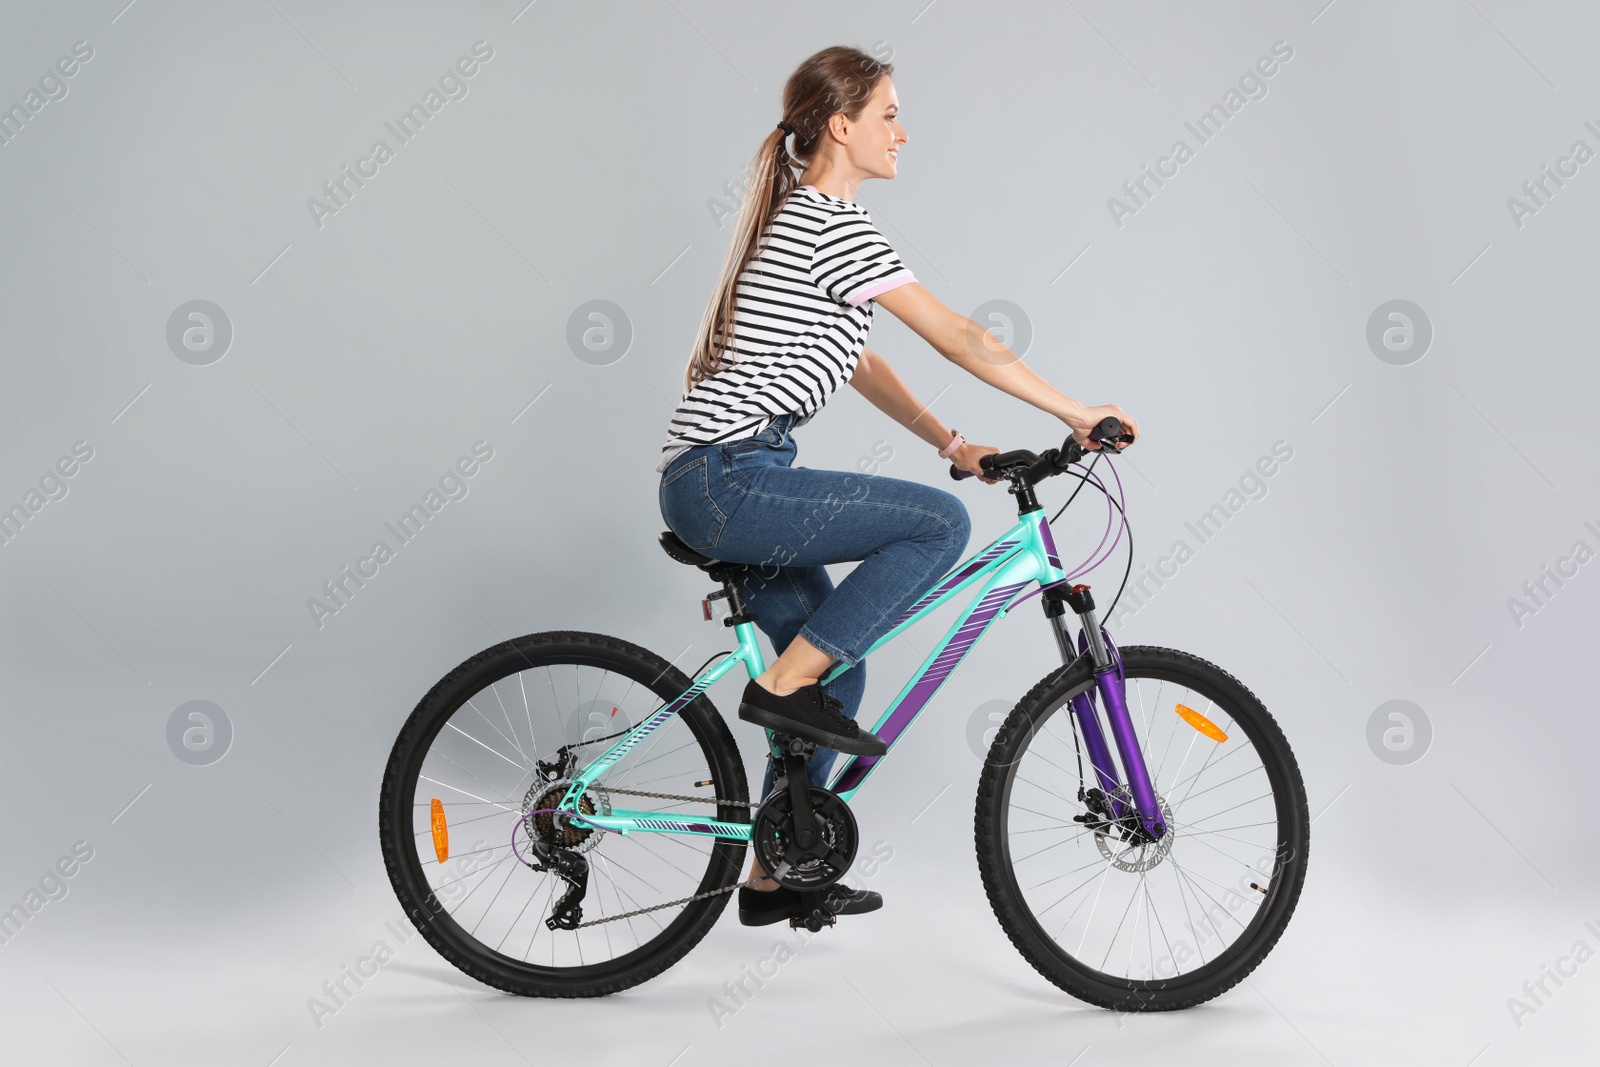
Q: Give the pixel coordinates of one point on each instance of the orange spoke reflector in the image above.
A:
(441, 832)
(1201, 723)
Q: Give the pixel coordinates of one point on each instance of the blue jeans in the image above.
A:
(744, 502)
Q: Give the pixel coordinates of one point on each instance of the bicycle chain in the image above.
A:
(686, 900)
(664, 796)
(678, 796)
(669, 904)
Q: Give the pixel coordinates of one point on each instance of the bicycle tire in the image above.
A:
(399, 841)
(996, 865)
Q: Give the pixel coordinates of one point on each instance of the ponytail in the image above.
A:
(835, 80)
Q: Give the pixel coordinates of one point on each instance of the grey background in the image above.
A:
(1229, 313)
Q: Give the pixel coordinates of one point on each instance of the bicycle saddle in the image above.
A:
(673, 546)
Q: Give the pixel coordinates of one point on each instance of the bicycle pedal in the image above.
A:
(815, 921)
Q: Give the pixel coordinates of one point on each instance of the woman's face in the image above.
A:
(873, 140)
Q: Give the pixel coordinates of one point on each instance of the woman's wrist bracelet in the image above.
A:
(956, 441)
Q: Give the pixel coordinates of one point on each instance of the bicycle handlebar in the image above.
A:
(1054, 460)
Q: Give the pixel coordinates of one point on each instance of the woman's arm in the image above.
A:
(977, 351)
(876, 380)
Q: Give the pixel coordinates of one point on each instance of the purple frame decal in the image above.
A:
(978, 619)
(992, 553)
(1051, 556)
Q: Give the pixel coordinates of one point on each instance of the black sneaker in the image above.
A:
(809, 713)
(757, 908)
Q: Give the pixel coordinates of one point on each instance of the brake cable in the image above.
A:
(1127, 528)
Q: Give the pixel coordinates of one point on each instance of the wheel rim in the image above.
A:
(480, 762)
(1151, 915)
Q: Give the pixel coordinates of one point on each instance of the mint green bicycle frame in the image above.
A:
(1024, 554)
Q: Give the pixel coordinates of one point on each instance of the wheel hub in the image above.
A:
(1133, 853)
(555, 829)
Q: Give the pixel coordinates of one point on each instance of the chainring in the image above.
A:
(773, 832)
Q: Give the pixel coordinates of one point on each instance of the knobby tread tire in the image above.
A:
(447, 696)
(994, 852)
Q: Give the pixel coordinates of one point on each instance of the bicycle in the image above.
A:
(1084, 872)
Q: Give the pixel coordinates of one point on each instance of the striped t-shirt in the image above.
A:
(804, 308)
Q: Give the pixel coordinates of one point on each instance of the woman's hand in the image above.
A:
(969, 457)
(1092, 417)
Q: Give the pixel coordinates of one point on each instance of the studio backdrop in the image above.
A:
(282, 282)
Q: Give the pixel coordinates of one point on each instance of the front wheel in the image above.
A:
(1138, 925)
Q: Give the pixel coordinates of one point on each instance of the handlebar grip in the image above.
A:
(986, 462)
(1110, 428)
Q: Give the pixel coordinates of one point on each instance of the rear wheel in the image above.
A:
(469, 756)
(1151, 926)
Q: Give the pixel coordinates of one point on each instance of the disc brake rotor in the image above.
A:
(1136, 856)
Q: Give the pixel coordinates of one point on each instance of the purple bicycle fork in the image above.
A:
(1110, 684)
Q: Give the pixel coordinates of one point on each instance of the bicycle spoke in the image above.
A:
(549, 899)
(520, 768)
(1112, 914)
(502, 734)
(509, 872)
(474, 796)
(1219, 785)
(1097, 862)
(469, 874)
(466, 762)
(457, 823)
(1224, 811)
(1047, 848)
(469, 774)
(631, 898)
(495, 689)
(1113, 942)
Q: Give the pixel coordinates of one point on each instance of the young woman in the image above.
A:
(784, 330)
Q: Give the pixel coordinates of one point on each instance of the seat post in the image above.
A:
(728, 574)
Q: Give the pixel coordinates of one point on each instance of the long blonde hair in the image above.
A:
(834, 81)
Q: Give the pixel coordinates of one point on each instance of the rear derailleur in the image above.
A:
(572, 868)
